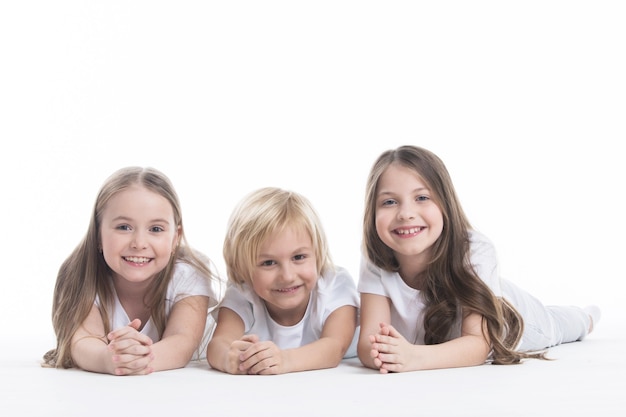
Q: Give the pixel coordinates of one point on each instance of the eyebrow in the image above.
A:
(297, 250)
(128, 219)
(420, 189)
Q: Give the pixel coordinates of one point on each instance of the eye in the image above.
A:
(156, 229)
(123, 227)
(300, 257)
(421, 198)
(388, 202)
(267, 262)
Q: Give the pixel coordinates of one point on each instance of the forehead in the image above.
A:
(138, 201)
(397, 176)
(291, 235)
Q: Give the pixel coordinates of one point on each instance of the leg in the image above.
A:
(546, 326)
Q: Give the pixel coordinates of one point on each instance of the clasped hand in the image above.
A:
(390, 350)
(131, 351)
(250, 356)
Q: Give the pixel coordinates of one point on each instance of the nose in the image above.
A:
(139, 240)
(407, 212)
(288, 272)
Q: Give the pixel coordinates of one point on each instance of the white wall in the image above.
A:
(525, 104)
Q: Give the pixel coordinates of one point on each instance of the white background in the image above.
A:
(524, 101)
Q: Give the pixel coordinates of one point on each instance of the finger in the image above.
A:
(252, 350)
(383, 340)
(131, 365)
(128, 371)
(374, 353)
(135, 324)
(121, 333)
(131, 336)
(384, 329)
(393, 332)
(133, 348)
(377, 362)
(249, 362)
(252, 338)
(262, 367)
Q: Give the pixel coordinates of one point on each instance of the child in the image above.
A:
(431, 296)
(132, 298)
(288, 308)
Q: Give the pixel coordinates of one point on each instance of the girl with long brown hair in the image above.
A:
(431, 294)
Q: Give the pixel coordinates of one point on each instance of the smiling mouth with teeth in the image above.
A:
(137, 259)
(410, 231)
(290, 289)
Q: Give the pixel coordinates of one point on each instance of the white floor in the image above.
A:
(585, 379)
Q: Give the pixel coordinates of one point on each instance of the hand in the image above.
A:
(235, 351)
(262, 358)
(390, 350)
(131, 351)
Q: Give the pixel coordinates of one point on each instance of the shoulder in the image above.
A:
(187, 280)
(336, 277)
(368, 271)
(185, 273)
(336, 283)
(480, 244)
(239, 295)
(375, 280)
(334, 289)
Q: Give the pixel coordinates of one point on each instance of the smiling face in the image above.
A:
(138, 234)
(285, 273)
(407, 218)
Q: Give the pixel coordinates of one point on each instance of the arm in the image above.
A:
(266, 358)
(91, 351)
(183, 332)
(375, 309)
(393, 353)
(228, 342)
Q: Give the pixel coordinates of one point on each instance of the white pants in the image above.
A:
(546, 326)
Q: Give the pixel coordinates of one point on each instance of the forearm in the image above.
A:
(461, 352)
(90, 353)
(364, 350)
(218, 353)
(321, 354)
(172, 352)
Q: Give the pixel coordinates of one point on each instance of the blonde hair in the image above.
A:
(258, 216)
(84, 275)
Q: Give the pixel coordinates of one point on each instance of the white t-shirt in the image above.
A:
(333, 290)
(407, 305)
(185, 282)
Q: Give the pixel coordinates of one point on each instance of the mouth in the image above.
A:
(409, 231)
(288, 290)
(137, 259)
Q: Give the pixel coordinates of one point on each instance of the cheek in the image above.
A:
(380, 223)
(259, 282)
(312, 274)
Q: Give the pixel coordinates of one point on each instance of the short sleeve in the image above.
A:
(484, 260)
(187, 281)
(370, 279)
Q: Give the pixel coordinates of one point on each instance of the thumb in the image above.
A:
(393, 332)
(135, 324)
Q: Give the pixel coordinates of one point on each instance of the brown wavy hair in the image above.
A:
(450, 282)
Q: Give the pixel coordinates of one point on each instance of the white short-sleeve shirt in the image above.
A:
(407, 305)
(185, 282)
(333, 290)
